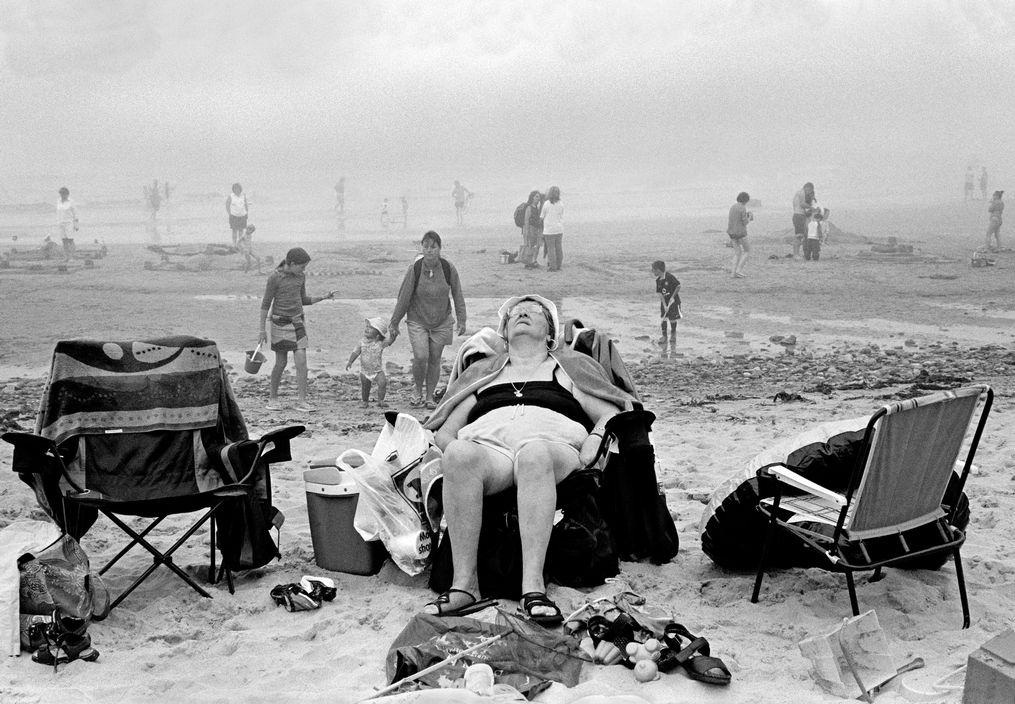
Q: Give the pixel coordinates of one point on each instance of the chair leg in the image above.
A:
(851, 585)
(764, 559)
(211, 551)
(962, 589)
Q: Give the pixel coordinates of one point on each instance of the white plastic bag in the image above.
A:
(391, 506)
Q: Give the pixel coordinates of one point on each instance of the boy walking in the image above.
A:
(816, 233)
(667, 287)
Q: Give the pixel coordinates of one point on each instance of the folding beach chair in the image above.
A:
(148, 429)
(891, 509)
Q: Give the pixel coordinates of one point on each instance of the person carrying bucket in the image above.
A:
(285, 294)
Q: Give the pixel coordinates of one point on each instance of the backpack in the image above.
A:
(520, 215)
(417, 271)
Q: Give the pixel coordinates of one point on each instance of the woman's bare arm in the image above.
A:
(457, 420)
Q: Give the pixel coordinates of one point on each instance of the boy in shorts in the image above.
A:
(667, 287)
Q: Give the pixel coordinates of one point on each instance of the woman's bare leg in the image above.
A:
(433, 369)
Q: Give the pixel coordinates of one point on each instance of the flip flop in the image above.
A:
(702, 667)
(619, 631)
(319, 588)
(293, 598)
(531, 600)
(465, 609)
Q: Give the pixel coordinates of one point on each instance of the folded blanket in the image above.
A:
(172, 383)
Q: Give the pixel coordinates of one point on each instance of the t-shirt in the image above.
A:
(737, 226)
(237, 205)
(667, 285)
(995, 208)
(800, 203)
(428, 301)
(65, 211)
(285, 293)
(553, 218)
(815, 230)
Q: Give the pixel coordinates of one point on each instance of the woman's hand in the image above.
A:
(263, 337)
(461, 328)
(590, 448)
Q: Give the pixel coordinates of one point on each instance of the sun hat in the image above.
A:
(378, 324)
(547, 305)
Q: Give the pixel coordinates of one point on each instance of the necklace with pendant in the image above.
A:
(518, 389)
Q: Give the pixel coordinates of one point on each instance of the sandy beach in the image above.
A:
(869, 326)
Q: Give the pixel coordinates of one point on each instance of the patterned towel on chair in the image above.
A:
(172, 383)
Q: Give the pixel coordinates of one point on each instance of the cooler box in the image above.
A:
(331, 506)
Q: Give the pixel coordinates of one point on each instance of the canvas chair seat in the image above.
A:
(147, 429)
(891, 511)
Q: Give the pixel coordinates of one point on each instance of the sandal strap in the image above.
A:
(531, 599)
(444, 598)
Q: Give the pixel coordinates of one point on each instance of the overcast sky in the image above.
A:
(661, 91)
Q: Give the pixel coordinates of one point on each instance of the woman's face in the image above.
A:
(527, 318)
(431, 251)
(534, 200)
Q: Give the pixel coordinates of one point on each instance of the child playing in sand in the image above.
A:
(371, 364)
(816, 233)
(667, 287)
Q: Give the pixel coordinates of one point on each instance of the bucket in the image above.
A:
(332, 496)
(254, 360)
(505, 258)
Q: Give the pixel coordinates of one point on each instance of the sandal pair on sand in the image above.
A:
(694, 657)
(418, 402)
(529, 602)
(305, 596)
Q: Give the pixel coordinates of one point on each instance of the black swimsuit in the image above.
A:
(545, 394)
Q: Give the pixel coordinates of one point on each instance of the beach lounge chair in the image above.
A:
(890, 511)
(150, 429)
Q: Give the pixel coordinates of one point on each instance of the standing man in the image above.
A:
(236, 206)
(801, 211)
(67, 217)
(460, 194)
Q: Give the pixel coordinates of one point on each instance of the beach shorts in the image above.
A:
(237, 222)
(288, 334)
(420, 338)
(508, 429)
(799, 225)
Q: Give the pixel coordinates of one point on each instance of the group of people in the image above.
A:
(542, 225)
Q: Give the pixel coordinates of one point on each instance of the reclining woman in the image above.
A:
(527, 418)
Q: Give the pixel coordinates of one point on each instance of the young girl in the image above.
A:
(371, 364)
(286, 294)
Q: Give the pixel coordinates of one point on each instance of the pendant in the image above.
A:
(518, 393)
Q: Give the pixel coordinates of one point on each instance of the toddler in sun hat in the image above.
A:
(370, 351)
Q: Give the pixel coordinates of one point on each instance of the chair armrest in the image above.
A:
(782, 473)
(280, 439)
(30, 452)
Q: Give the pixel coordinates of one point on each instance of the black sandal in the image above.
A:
(531, 600)
(701, 667)
(292, 598)
(465, 609)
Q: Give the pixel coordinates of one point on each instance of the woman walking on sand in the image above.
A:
(552, 214)
(236, 206)
(67, 216)
(737, 230)
(424, 300)
(994, 210)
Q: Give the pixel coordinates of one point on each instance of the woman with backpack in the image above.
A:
(552, 215)
(424, 300)
(532, 231)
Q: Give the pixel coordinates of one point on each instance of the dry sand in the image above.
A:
(868, 327)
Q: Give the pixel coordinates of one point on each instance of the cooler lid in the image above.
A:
(329, 481)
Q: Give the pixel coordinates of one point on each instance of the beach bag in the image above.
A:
(59, 578)
(244, 533)
(520, 214)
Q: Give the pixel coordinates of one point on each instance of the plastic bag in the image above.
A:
(390, 508)
(59, 577)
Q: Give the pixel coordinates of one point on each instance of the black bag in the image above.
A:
(632, 502)
(520, 214)
(244, 533)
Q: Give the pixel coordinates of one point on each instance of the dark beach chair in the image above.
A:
(891, 510)
(150, 429)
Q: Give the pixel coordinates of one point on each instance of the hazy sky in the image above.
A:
(659, 91)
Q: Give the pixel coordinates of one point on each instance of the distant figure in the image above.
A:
(817, 231)
(385, 216)
(994, 210)
(405, 212)
(668, 289)
(153, 197)
(370, 351)
(340, 196)
(737, 230)
(67, 217)
(552, 215)
(803, 203)
(983, 182)
(968, 188)
(532, 231)
(246, 246)
(236, 206)
(461, 196)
